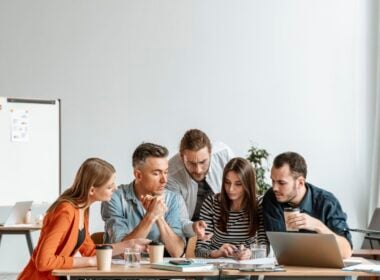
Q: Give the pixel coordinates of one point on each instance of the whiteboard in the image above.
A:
(29, 150)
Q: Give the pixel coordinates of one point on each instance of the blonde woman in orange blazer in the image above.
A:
(65, 226)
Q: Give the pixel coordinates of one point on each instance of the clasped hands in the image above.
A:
(154, 205)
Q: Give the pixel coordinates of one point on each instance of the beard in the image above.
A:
(288, 198)
(198, 177)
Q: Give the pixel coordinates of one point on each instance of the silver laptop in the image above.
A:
(306, 249)
(17, 213)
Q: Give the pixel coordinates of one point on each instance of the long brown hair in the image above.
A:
(94, 172)
(247, 176)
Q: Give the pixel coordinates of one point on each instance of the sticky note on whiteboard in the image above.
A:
(19, 126)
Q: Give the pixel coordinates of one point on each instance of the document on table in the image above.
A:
(374, 268)
(228, 260)
(122, 262)
(262, 261)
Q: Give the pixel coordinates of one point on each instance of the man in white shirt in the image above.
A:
(196, 172)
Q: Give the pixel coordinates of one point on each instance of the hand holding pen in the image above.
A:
(242, 253)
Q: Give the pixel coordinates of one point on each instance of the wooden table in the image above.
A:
(144, 271)
(294, 271)
(22, 229)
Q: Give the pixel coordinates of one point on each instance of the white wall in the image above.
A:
(286, 75)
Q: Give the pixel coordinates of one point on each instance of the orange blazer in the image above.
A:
(59, 235)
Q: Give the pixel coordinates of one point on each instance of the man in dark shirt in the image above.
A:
(320, 211)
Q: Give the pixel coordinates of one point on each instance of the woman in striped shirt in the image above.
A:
(233, 216)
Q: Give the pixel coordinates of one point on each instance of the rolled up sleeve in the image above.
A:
(173, 216)
(336, 219)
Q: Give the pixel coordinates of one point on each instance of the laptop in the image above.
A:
(306, 249)
(17, 213)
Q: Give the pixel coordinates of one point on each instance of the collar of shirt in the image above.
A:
(306, 204)
(130, 193)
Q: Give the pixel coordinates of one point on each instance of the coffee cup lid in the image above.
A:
(103, 247)
(291, 209)
(154, 243)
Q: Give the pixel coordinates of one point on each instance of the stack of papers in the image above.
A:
(228, 263)
(203, 264)
(233, 261)
(373, 268)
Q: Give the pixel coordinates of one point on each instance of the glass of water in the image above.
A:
(132, 257)
(258, 251)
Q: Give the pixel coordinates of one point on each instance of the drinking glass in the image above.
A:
(132, 257)
(258, 251)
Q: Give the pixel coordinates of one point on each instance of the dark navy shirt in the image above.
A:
(204, 191)
(317, 203)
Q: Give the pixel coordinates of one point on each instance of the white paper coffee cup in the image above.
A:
(104, 257)
(156, 252)
(289, 211)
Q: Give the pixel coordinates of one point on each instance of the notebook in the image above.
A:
(306, 249)
(17, 213)
(193, 267)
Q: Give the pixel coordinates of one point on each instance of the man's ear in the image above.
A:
(301, 181)
(137, 173)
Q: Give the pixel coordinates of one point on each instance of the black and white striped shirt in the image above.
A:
(237, 228)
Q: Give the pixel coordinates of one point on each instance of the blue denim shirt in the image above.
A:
(317, 203)
(124, 212)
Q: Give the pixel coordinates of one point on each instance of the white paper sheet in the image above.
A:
(228, 260)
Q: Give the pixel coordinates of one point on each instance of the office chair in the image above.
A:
(97, 237)
(371, 243)
(372, 233)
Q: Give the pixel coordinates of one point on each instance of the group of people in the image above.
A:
(203, 190)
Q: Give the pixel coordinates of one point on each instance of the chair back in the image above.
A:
(97, 237)
(375, 220)
(372, 241)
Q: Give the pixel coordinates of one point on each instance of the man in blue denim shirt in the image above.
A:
(144, 208)
(320, 211)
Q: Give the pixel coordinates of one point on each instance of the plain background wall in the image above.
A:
(285, 75)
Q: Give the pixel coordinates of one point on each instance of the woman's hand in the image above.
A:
(243, 253)
(92, 261)
(226, 250)
(84, 261)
